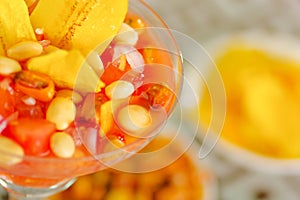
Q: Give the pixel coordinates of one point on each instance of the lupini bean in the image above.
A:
(134, 118)
(62, 145)
(61, 111)
(24, 50)
(119, 89)
(10, 152)
(8, 66)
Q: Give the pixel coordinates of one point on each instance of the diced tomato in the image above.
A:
(30, 111)
(37, 110)
(140, 100)
(158, 56)
(6, 102)
(164, 96)
(113, 73)
(117, 138)
(157, 95)
(32, 134)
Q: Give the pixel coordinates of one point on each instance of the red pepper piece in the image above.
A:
(36, 85)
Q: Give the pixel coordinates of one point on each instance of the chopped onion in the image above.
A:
(5, 85)
(133, 56)
(90, 139)
(3, 123)
(45, 43)
(30, 101)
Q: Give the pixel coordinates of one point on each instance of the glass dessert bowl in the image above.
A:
(54, 129)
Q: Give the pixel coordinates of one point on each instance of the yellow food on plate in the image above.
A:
(182, 179)
(263, 101)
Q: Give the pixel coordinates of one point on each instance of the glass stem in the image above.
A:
(16, 192)
(17, 197)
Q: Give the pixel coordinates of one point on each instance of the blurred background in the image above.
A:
(206, 20)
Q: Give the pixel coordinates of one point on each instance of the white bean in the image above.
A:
(134, 118)
(24, 50)
(8, 66)
(119, 89)
(62, 145)
(10, 152)
(62, 112)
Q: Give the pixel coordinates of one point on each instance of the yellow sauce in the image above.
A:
(263, 101)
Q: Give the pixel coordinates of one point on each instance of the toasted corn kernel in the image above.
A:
(61, 111)
(133, 118)
(119, 89)
(10, 152)
(127, 35)
(74, 96)
(24, 50)
(62, 145)
(8, 66)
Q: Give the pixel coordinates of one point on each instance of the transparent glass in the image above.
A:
(39, 177)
